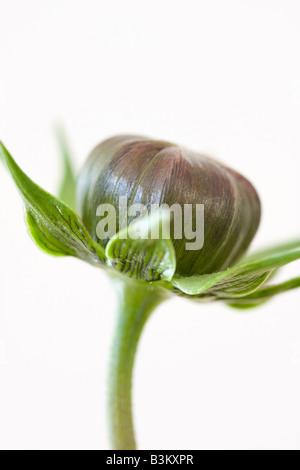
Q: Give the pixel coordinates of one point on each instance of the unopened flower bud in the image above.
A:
(154, 173)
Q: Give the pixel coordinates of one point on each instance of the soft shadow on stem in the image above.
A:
(136, 301)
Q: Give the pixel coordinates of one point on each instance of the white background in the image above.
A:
(219, 77)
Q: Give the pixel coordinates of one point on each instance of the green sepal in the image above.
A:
(67, 188)
(243, 278)
(143, 257)
(262, 295)
(52, 224)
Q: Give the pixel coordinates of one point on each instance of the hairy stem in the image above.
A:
(136, 301)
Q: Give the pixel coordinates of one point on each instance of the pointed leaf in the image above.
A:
(274, 250)
(244, 278)
(263, 294)
(143, 257)
(52, 224)
(67, 191)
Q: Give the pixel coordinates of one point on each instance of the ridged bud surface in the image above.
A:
(156, 172)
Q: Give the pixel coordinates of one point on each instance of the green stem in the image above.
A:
(136, 301)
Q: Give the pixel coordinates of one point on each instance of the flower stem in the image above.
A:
(136, 301)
